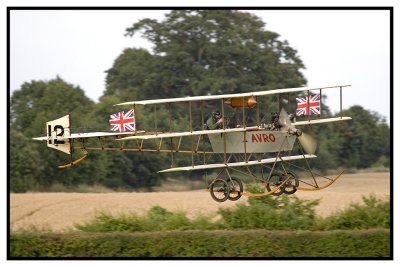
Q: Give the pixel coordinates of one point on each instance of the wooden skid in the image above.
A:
(73, 162)
(265, 193)
(298, 188)
(320, 187)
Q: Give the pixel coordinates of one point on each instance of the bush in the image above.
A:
(281, 213)
(372, 213)
(156, 219)
(216, 243)
(271, 213)
(284, 212)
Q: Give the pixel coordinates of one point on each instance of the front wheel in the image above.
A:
(219, 190)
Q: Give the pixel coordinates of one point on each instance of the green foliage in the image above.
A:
(383, 161)
(24, 162)
(38, 102)
(160, 233)
(30, 108)
(282, 213)
(157, 219)
(271, 213)
(363, 140)
(216, 243)
(372, 213)
(34, 167)
(204, 51)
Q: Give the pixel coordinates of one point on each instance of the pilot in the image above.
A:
(215, 121)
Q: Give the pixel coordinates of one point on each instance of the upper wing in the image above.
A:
(238, 164)
(228, 96)
(321, 121)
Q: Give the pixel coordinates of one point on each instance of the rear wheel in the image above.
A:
(235, 188)
(274, 181)
(219, 190)
(291, 184)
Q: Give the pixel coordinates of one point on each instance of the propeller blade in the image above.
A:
(285, 122)
(308, 142)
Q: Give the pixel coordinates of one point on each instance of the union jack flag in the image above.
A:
(305, 107)
(123, 121)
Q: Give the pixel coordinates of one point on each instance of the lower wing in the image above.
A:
(238, 164)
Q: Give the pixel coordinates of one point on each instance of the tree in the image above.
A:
(40, 101)
(25, 162)
(362, 140)
(34, 166)
(30, 108)
(204, 51)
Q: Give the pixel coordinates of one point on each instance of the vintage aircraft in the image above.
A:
(218, 144)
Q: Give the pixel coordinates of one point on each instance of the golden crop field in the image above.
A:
(60, 211)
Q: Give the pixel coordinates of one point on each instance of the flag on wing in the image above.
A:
(305, 107)
(123, 121)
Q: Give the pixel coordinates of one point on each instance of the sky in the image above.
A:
(336, 46)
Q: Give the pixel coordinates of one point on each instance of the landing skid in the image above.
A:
(73, 162)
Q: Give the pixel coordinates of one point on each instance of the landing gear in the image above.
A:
(222, 189)
(235, 188)
(291, 184)
(276, 179)
(219, 190)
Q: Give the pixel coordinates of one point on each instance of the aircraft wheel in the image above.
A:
(274, 181)
(292, 184)
(235, 188)
(219, 190)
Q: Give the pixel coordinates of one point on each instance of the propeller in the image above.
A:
(307, 141)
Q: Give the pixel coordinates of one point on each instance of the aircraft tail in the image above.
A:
(58, 133)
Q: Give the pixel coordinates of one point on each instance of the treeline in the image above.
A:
(194, 53)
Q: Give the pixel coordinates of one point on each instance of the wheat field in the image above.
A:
(61, 211)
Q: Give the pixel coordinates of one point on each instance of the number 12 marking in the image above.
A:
(59, 129)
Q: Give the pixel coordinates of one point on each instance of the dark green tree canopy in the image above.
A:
(40, 101)
(205, 51)
(364, 139)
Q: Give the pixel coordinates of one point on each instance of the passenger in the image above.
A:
(215, 121)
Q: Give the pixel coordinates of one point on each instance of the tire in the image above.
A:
(292, 184)
(235, 188)
(219, 190)
(274, 181)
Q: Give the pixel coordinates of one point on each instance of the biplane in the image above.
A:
(261, 149)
